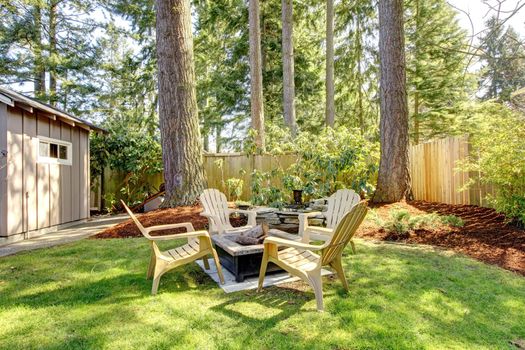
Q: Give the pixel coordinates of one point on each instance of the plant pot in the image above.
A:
(298, 196)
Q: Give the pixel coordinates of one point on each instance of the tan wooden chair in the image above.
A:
(339, 204)
(198, 246)
(300, 259)
(216, 210)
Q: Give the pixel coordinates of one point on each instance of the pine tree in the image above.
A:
(393, 182)
(436, 67)
(178, 114)
(503, 57)
(51, 40)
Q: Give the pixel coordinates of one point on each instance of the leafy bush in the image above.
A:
(234, 187)
(401, 222)
(326, 161)
(263, 192)
(452, 220)
(130, 147)
(498, 142)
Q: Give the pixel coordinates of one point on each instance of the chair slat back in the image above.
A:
(339, 204)
(215, 203)
(344, 232)
(137, 222)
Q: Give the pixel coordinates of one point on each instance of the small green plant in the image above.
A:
(234, 187)
(452, 220)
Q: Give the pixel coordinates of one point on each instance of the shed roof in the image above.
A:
(29, 104)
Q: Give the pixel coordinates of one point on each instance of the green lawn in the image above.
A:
(93, 294)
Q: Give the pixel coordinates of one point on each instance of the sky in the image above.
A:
(479, 11)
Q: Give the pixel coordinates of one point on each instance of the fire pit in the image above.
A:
(244, 260)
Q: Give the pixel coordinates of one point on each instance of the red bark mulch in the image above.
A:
(162, 217)
(485, 235)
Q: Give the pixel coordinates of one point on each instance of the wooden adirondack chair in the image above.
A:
(198, 246)
(300, 260)
(339, 204)
(218, 214)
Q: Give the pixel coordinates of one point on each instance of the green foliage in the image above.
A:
(452, 220)
(503, 57)
(498, 142)
(402, 222)
(263, 191)
(130, 149)
(234, 188)
(334, 159)
(437, 78)
(326, 161)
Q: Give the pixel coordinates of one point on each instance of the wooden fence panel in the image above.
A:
(434, 169)
(437, 177)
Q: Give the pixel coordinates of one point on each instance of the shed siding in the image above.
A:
(15, 171)
(54, 179)
(44, 200)
(3, 170)
(75, 198)
(30, 172)
(39, 195)
(65, 179)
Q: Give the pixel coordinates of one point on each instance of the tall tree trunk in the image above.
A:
(218, 131)
(393, 183)
(330, 88)
(39, 66)
(416, 73)
(416, 118)
(178, 114)
(288, 66)
(53, 53)
(360, 83)
(257, 107)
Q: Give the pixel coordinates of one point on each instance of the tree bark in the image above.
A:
(393, 182)
(257, 108)
(288, 67)
(178, 114)
(39, 67)
(330, 88)
(52, 53)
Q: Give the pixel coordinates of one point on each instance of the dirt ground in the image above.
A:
(485, 235)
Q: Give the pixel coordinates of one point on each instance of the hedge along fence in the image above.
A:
(433, 168)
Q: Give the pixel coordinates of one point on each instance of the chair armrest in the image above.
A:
(187, 225)
(292, 244)
(214, 221)
(252, 215)
(319, 229)
(193, 234)
(303, 223)
(311, 214)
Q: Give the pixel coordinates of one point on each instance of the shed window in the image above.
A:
(54, 151)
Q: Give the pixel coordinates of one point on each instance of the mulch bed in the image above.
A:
(163, 217)
(485, 236)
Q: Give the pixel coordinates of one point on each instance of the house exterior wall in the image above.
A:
(38, 195)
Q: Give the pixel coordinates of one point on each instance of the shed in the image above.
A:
(44, 168)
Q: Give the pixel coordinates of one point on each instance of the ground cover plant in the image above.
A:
(93, 294)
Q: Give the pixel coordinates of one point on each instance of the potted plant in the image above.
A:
(296, 185)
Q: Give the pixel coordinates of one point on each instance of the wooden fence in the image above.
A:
(434, 168)
(437, 175)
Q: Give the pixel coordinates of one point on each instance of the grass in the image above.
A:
(93, 295)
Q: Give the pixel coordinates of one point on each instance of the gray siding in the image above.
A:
(39, 195)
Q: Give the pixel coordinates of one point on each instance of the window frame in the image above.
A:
(58, 160)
